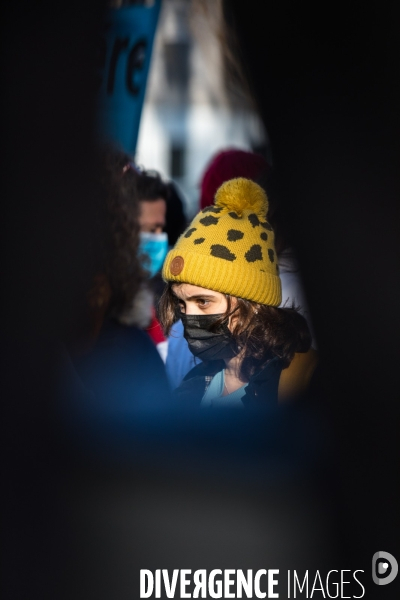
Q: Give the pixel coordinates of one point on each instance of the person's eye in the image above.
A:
(203, 303)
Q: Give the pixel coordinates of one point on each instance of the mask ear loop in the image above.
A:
(224, 319)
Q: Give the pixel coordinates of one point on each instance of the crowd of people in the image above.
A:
(210, 312)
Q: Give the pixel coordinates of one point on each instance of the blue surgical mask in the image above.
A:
(155, 247)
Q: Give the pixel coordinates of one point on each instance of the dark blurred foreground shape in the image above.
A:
(91, 501)
(326, 81)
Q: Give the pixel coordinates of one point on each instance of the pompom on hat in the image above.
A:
(228, 164)
(229, 247)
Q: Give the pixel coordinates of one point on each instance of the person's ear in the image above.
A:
(234, 317)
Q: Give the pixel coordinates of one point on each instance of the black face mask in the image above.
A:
(205, 344)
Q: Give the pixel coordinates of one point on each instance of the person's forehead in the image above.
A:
(158, 206)
(187, 290)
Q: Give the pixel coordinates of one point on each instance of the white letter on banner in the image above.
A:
(185, 582)
(305, 584)
(200, 580)
(257, 590)
(272, 582)
(228, 582)
(336, 585)
(170, 587)
(158, 584)
(242, 583)
(145, 573)
(215, 591)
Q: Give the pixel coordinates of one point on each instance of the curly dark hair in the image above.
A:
(121, 262)
(260, 333)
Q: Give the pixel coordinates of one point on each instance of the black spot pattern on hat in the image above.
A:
(189, 232)
(264, 236)
(209, 220)
(199, 240)
(254, 253)
(234, 235)
(254, 220)
(222, 252)
(234, 215)
(214, 209)
(266, 225)
(271, 255)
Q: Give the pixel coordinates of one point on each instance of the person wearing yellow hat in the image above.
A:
(223, 282)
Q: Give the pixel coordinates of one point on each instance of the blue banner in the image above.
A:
(125, 59)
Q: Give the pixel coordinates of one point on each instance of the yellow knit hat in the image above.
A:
(229, 247)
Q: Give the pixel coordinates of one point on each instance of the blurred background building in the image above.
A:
(196, 99)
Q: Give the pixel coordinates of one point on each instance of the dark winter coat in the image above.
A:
(262, 388)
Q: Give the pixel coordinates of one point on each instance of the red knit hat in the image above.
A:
(229, 164)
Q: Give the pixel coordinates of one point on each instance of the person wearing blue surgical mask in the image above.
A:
(152, 193)
(155, 247)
